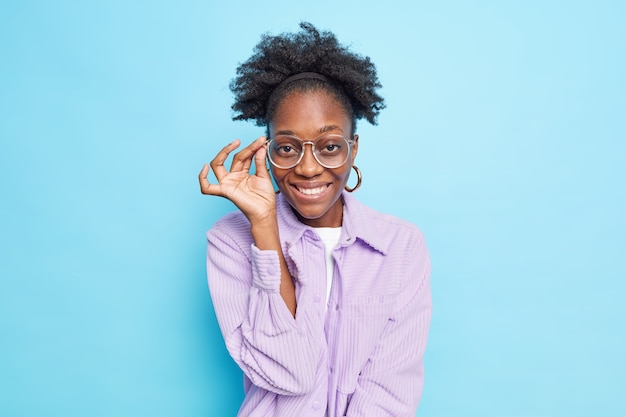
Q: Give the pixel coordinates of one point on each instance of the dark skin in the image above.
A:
(313, 191)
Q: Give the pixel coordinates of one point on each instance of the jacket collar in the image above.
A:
(358, 224)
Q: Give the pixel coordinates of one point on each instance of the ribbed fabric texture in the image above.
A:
(362, 354)
(330, 238)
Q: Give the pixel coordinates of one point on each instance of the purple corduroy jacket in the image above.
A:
(362, 353)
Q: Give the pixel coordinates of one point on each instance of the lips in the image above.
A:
(312, 190)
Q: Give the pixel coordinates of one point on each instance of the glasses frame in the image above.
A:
(349, 141)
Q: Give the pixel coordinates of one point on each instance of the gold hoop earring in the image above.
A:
(359, 177)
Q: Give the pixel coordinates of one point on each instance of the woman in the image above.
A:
(323, 303)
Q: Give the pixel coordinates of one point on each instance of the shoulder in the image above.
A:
(234, 222)
(387, 223)
(233, 228)
(384, 231)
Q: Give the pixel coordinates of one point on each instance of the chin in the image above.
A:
(327, 214)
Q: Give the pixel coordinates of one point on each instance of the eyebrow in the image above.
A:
(322, 129)
(329, 128)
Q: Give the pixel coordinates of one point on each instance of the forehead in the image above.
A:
(308, 113)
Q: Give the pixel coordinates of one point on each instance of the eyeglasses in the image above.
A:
(330, 151)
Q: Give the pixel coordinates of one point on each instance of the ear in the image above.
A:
(355, 147)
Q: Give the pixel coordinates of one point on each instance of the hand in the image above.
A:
(253, 194)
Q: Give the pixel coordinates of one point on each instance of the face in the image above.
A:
(313, 191)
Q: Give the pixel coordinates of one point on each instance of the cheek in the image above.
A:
(278, 174)
(340, 174)
(343, 174)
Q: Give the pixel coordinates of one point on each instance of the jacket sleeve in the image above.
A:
(391, 382)
(276, 352)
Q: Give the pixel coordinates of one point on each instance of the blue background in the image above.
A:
(504, 140)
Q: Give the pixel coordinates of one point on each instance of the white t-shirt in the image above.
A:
(330, 237)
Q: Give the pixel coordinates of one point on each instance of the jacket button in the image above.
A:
(316, 298)
(271, 270)
(316, 405)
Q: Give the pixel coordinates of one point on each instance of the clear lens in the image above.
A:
(331, 151)
(285, 151)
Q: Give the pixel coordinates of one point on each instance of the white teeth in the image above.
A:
(312, 191)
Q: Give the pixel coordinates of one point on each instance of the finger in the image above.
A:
(205, 186)
(217, 164)
(257, 145)
(259, 162)
(204, 172)
(243, 159)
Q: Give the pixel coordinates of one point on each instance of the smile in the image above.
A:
(312, 191)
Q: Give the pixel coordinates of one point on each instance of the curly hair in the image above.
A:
(258, 87)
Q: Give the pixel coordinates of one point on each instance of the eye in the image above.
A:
(330, 146)
(286, 151)
(285, 147)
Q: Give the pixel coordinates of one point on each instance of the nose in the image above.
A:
(308, 166)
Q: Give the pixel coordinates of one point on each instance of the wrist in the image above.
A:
(266, 220)
(264, 232)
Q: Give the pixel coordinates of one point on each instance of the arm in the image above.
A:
(266, 237)
(391, 382)
(254, 295)
(254, 196)
(277, 352)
